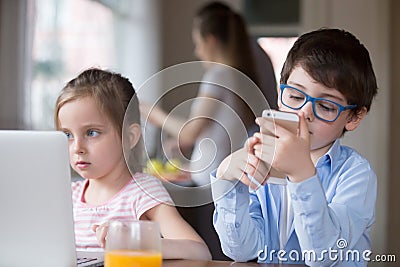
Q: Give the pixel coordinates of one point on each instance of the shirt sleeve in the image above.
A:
(214, 81)
(153, 193)
(237, 220)
(208, 98)
(340, 224)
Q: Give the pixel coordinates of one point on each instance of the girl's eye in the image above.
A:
(69, 135)
(93, 133)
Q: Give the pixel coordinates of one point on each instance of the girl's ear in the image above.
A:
(355, 119)
(134, 133)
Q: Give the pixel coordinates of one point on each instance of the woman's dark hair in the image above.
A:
(227, 26)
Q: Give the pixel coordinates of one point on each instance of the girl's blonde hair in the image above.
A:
(112, 94)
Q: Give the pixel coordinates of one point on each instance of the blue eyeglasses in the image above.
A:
(324, 109)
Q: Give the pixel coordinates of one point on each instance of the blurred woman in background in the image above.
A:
(220, 120)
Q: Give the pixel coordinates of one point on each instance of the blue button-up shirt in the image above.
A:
(333, 212)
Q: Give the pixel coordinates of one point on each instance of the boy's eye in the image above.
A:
(296, 97)
(93, 133)
(327, 107)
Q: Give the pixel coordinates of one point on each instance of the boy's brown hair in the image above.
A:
(336, 59)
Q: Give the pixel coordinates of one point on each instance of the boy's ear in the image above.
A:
(355, 120)
(278, 98)
(134, 133)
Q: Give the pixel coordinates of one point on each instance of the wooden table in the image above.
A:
(192, 263)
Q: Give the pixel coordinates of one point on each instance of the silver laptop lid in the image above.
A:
(36, 226)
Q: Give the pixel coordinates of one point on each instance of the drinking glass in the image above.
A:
(133, 244)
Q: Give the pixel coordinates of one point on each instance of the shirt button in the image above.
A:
(293, 196)
(240, 189)
(305, 197)
(237, 225)
(230, 195)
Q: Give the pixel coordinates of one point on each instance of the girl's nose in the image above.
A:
(78, 146)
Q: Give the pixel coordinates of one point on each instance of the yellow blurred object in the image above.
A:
(170, 171)
(172, 166)
(154, 167)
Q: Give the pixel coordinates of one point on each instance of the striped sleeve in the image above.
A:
(152, 193)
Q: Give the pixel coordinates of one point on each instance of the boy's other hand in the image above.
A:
(243, 165)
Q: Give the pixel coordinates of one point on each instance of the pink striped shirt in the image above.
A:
(140, 194)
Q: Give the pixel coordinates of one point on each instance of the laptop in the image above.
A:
(36, 225)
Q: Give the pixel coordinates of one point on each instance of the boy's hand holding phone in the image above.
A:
(284, 145)
(281, 149)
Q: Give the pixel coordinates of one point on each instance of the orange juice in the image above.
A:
(132, 258)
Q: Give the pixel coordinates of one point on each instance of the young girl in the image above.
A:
(90, 111)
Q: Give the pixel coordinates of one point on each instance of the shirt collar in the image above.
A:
(330, 157)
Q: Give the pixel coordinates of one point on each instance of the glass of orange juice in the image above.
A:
(133, 244)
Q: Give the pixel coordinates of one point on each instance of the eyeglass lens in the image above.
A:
(323, 109)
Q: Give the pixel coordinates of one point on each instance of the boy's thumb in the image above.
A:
(303, 128)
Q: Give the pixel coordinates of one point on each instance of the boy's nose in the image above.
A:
(308, 111)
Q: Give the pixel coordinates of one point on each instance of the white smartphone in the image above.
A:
(288, 120)
(291, 122)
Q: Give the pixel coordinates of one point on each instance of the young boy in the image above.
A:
(323, 212)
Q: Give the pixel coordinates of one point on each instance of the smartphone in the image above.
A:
(289, 121)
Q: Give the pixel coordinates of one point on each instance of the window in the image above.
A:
(272, 12)
(69, 36)
(276, 24)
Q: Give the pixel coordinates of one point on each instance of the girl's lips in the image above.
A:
(82, 164)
